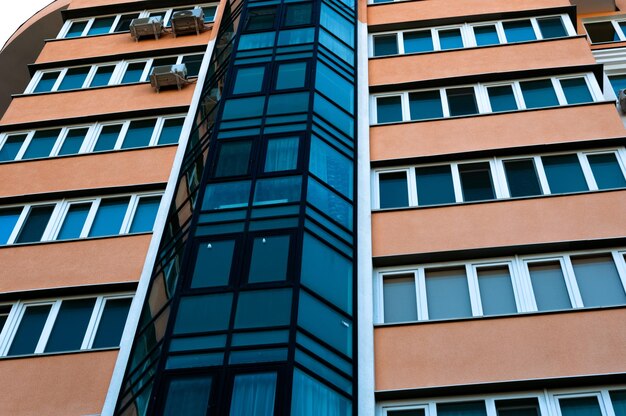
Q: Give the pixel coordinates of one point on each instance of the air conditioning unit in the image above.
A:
(146, 26)
(168, 75)
(621, 100)
(188, 21)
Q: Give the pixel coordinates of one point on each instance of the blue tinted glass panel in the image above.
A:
(46, 82)
(400, 302)
(519, 31)
(188, 396)
(258, 389)
(145, 214)
(486, 35)
(107, 138)
(277, 190)
(203, 313)
(296, 36)
(249, 80)
(170, 132)
(602, 32)
(192, 63)
(325, 323)
(226, 195)
(74, 78)
(549, 286)
(270, 256)
(253, 310)
(606, 171)
(539, 93)
(462, 101)
(311, 397)
(331, 166)
(552, 27)
(576, 91)
(11, 147)
(421, 41)
(334, 116)
(496, 291)
(101, 25)
(233, 158)
(74, 221)
(502, 98)
(41, 144)
(35, 224)
(564, 174)
(102, 76)
(385, 45)
(618, 398)
(476, 182)
(291, 75)
(450, 39)
(243, 108)
(327, 273)
(288, 103)
(425, 105)
(123, 24)
(393, 190)
(298, 14)
(112, 323)
(448, 294)
(522, 178)
(70, 325)
(462, 409)
(213, 264)
(29, 330)
(336, 24)
(256, 41)
(389, 109)
(330, 203)
(109, 217)
(434, 185)
(139, 133)
(209, 13)
(8, 219)
(335, 87)
(618, 82)
(282, 154)
(338, 48)
(261, 18)
(587, 406)
(133, 72)
(76, 29)
(598, 281)
(73, 141)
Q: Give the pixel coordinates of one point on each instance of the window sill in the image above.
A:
(493, 201)
(490, 317)
(52, 354)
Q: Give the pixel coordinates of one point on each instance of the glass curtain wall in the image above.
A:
(251, 306)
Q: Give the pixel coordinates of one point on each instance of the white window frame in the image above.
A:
(142, 13)
(498, 175)
(19, 308)
(614, 20)
(468, 35)
(93, 132)
(520, 279)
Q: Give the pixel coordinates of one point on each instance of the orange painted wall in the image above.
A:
(111, 45)
(504, 223)
(553, 54)
(90, 171)
(556, 125)
(111, 100)
(57, 385)
(81, 4)
(72, 263)
(515, 348)
(408, 11)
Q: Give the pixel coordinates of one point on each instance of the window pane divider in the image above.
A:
(121, 136)
(474, 290)
(90, 218)
(456, 182)
(570, 282)
(47, 328)
(27, 140)
(420, 287)
(19, 224)
(94, 321)
(587, 172)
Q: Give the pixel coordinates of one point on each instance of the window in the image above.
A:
(298, 14)
(270, 256)
(70, 219)
(188, 395)
(74, 140)
(522, 176)
(253, 395)
(603, 32)
(233, 158)
(281, 154)
(73, 324)
(465, 409)
(213, 264)
(261, 18)
(121, 22)
(485, 98)
(501, 286)
(618, 82)
(107, 74)
(471, 35)
(291, 75)
(588, 406)
(249, 80)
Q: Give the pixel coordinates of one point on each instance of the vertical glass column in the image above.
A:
(252, 307)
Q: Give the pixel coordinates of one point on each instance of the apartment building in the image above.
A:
(338, 207)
